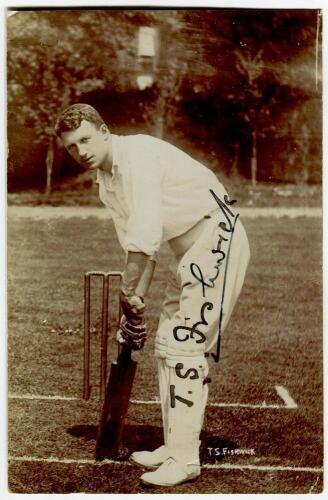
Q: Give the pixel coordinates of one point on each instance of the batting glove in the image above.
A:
(134, 336)
(133, 307)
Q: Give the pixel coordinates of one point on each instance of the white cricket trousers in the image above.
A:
(201, 292)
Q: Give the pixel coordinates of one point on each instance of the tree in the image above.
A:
(179, 47)
(254, 64)
(255, 103)
(262, 59)
(56, 57)
(250, 61)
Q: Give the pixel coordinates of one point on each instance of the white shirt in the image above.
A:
(155, 191)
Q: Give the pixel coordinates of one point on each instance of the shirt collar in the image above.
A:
(101, 175)
(115, 154)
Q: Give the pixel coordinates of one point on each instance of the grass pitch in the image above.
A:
(274, 339)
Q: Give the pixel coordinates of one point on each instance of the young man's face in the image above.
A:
(88, 145)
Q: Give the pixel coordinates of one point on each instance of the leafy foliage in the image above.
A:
(52, 62)
(221, 75)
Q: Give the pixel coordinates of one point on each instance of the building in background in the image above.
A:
(147, 55)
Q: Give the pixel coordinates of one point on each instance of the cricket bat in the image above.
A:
(115, 405)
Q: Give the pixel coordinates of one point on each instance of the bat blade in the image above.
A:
(115, 406)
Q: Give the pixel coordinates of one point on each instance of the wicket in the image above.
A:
(106, 276)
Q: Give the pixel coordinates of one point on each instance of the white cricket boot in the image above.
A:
(151, 459)
(184, 411)
(171, 473)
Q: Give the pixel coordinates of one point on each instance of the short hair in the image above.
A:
(71, 118)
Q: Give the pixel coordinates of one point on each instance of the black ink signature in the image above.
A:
(227, 226)
(174, 397)
(191, 371)
(193, 329)
(228, 214)
(224, 208)
(194, 268)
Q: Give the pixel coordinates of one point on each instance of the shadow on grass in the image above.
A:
(149, 437)
(135, 438)
(88, 432)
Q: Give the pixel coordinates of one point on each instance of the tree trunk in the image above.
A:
(254, 158)
(235, 160)
(160, 111)
(49, 164)
(159, 127)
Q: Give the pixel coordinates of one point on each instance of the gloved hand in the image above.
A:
(133, 308)
(132, 335)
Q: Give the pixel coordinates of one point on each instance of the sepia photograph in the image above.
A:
(164, 250)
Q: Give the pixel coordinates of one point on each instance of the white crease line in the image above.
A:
(56, 460)
(40, 396)
(248, 405)
(263, 467)
(218, 405)
(85, 461)
(286, 397)
(314, 485)
(263, 405)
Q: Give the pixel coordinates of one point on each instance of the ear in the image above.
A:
(104, 130)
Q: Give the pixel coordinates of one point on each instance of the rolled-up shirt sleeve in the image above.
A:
(145, 225)
(120, 231)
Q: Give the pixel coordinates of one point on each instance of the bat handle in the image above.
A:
(124, 353)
